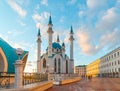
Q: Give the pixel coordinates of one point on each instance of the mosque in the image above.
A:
(54, 60)
(8, 57)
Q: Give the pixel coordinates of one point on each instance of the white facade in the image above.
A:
(55, 60)
(80, 70)
(110, 64)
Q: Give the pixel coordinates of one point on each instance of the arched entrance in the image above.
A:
(59, 66)
(3, 62)
(66, 66)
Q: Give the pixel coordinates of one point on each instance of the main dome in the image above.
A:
(56, 45)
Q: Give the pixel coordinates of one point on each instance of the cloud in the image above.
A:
(17, 8)
(72, 2)
(85, 43)
(41, 21)
(21, 23)
(95, 4)
(44, 2)
(109, 21)
(110, 39)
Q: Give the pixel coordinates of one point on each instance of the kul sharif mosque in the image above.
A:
(54, 60)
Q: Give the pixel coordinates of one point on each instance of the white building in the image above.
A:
(80, 70)
(110, 64)
(55, 60)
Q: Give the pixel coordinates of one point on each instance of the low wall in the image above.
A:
(34, 87)
(70, 81)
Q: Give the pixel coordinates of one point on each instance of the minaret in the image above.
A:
(71, 44)
(50, 32)
(63, 50)
(38, 51)
(58, 40)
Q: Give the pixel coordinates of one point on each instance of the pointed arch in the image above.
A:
(3, 61)
(44, 63)
(55, 65)
(66, 66)
(59, 66)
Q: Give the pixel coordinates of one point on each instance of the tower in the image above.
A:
(50, 32)
(71, 44)
(63, 50)
(71, 50)
(38, 51)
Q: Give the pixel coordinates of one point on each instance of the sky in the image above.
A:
(96, 26)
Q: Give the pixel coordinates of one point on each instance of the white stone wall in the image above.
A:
(50, 61)
(111, 62)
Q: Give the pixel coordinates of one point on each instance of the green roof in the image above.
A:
(10, 54)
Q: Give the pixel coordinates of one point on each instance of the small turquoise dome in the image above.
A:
(56, 45)
(10, 55)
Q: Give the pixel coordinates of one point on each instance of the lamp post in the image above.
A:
(18, 70)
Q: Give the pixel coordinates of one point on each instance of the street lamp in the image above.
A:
(19, 52)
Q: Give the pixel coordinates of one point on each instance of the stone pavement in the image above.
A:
(96, 84)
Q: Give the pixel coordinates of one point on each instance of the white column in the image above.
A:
(18, 74)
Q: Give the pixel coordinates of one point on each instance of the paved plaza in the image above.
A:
(96, 84)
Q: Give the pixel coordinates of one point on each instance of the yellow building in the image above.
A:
(92, 69)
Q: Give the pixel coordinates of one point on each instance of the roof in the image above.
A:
(81, 66)
(56, 45)
(10, 54)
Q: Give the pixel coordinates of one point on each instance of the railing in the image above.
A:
(6, 80)
(63, 76)
(30, 78)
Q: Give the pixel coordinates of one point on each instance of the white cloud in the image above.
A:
(44, 2)
(17, 8)
(110, 39)
(72, 1)
(84, 41)
(94, 4)
(21, 23)
(109, 20)
(40, 21)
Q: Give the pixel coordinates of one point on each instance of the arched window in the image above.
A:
(44, 63)
(66, 66)
(55, 66)
(59, 64)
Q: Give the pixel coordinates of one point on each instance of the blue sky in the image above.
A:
(96, 25)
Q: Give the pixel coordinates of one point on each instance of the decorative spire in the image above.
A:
(71, 31)
(50, 20)
(58, 39)
(63, 44)
(39, 32)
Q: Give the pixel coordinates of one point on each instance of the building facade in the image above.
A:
(110, 64)
(8, 57)
(93, 68)
(80, 70)
(54, 60)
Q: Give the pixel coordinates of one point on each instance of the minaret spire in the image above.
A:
(58, 40)
(50, 32)
(71, 43)
(38, 51)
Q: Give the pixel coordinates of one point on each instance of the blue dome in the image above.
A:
(56, 45)
(10, 54)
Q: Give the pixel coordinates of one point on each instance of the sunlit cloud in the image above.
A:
(44, 2)
(17, 8)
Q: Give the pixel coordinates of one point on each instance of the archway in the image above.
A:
(44, 63)
(55, 65)
(59, 66)
(3, 62)
(66, 66)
